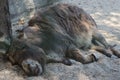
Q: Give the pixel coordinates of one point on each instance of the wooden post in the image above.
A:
(5, 26)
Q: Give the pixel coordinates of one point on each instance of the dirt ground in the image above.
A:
(107, 15)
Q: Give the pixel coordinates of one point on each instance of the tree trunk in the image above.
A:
(5, 26)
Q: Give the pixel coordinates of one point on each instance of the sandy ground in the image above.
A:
(107, 16)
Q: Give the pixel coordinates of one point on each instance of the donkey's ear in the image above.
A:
(34, 20)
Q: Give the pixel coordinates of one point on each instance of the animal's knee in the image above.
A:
(67, 62)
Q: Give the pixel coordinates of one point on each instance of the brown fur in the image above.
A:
(60, 32)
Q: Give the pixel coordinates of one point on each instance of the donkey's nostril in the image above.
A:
(32, 67)
(37, 70)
